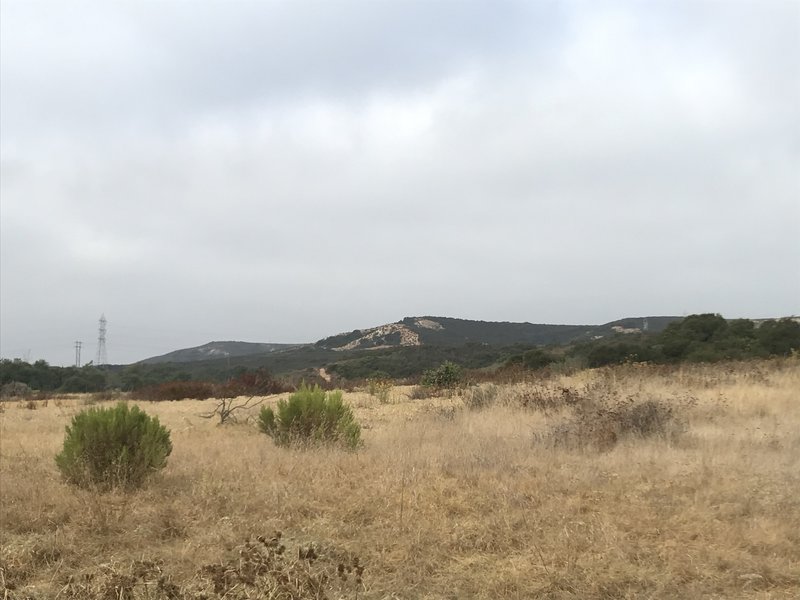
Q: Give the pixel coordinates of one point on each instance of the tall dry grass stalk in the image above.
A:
(442, 502)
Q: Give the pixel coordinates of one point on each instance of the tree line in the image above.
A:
(696, 338)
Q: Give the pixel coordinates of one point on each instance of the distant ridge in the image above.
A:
(447, 331)
(422, 331)
(214, 350)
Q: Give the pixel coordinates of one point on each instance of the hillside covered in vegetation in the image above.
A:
(696, 338)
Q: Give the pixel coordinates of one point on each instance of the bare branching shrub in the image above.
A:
(227, 408)
(241, 393)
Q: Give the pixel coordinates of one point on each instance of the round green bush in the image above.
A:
(113, 447)
(446, 375)
(311, 416)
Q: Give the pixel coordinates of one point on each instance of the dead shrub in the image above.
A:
(264, 566)
(547, 399)
(16, 390)
(244, 392)
(599, 424)
(478, 397)
(421, 392)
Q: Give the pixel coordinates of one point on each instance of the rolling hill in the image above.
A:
(401, 349)
(217, 350)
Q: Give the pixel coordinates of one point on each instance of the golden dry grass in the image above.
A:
(442, 502)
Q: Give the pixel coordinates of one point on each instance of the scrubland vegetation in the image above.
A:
(632, 481)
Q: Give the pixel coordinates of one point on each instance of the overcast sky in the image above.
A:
(284, 171)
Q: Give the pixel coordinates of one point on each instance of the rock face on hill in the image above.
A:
(446, 331)
(384, 336)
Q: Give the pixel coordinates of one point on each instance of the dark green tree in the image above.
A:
(779, 338)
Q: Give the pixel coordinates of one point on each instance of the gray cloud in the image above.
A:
(283, 171)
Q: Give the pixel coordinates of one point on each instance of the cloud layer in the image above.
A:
(284, 171)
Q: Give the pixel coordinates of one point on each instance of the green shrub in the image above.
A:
(76, 385)
(447, 375)
(780, 337)
(113, 447)
(311, 416)
(533, 359)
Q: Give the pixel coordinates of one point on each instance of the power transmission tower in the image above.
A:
(78, 354)
(101, 343)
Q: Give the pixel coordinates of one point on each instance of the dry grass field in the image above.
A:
(518, 499)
